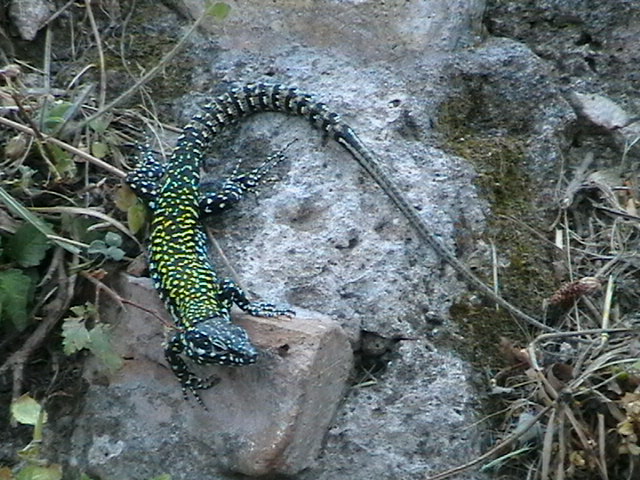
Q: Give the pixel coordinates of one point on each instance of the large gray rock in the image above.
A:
(324, 238)
(29, 16)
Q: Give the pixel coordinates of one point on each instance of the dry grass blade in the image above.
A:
(59, 12)
(149, 75)
(38, 136)
(562, 448)
(602, 444)
(547, 443)
(90, 212)
(504, 458)
(602, 361)
(606, 314)
(584, 435)
(73, 109)
(509, 440)
(103, 73)
(18, 209)
(70, 148)
(586, 378)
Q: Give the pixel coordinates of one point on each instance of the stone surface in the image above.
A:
(263, 419)
(592, 47)
(325, 238)
(510, 93)
(599, 110)
(29, 16)
(351, 28)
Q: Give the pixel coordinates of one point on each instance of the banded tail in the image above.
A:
(241, 102)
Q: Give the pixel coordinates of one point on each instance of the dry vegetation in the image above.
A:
(572, 396)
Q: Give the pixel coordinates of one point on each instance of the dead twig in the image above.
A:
(70, 148)
(103, 73)
(121, 301)
(495, 450)
(45, 152)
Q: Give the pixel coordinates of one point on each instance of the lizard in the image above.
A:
(179, 265)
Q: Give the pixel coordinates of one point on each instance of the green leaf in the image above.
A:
(90, 310)
(79, 227)
(97, 247)
(219, 10)
(16, 147)
(36, 472)
(164, 476)
(86, 311)
(15, 294)
(136, 217)
(114, 253)
(79, 310)
(99, 149)
(75, 335)
(26, 410)
(113, 239)
(56, 116)
(106, 247)
(100, 124)
(125, 198)
(101, 347)
(27, 246)
(26, 177)
(63, 162)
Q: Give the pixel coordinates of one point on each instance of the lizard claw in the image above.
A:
(194, 384)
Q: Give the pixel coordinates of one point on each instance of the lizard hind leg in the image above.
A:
(239, 183)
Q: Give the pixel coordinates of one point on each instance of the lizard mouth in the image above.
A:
(231, 359)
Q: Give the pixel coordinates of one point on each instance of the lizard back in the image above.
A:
(179, 264)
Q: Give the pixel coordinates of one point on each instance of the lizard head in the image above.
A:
(216, 340)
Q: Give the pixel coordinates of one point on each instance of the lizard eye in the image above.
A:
(219, 346)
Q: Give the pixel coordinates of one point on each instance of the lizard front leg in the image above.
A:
(144, 180)
(231, 292)
(188, 380)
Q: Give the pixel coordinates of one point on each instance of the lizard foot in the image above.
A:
(193, 384)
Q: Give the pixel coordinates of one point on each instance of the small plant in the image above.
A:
(77, 336)
(19, 253)
(109, 247)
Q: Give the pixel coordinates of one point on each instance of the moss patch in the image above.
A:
(499, 155)
(145, 51)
